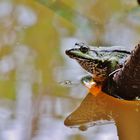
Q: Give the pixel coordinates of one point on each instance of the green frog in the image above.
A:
(101, 62)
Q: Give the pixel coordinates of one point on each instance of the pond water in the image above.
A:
(39, 84)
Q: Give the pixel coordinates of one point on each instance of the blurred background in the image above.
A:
(39, 84)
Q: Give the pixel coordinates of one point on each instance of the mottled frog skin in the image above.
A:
(99, 61)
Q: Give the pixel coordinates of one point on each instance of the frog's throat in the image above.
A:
(87, 65)
(99, 74)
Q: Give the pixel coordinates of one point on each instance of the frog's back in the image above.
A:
(113, 53)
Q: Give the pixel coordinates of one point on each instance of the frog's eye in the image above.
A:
(84, 49)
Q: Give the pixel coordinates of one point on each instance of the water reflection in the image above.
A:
(121, 31)
(17, 122)
(6, 9)
(25, 16)
(68, 83)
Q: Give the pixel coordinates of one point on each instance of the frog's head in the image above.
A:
(80, 53)
(89, 60)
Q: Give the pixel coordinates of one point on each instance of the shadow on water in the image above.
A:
(34, 67)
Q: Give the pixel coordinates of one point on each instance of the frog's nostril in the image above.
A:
(76, 44)
(70, 53)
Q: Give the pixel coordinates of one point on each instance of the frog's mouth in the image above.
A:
(78, 55)
(87, 61)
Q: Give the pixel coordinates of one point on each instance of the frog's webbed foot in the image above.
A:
(93, 86)
(95, 89)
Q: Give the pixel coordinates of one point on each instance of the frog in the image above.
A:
(100, 62)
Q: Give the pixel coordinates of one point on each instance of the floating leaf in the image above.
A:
(102, 107)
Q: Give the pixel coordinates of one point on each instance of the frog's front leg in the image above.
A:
(112, 73)
(93, 86)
